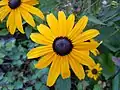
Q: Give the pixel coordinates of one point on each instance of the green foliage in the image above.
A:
(18, 73)
(107, 65)
(63, 84)
(116, 82)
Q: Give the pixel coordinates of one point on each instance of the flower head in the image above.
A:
(94, 71)
(64, 45)
(16, 10)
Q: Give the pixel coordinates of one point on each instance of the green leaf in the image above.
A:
(79, 86)
(10, 87)
(28, 31)
(105, 33)
(38, 85)
(44, 88)
(18, 84)
(1, 43)
(3, 32)
(10, 44)
(63, 84)
(116, 82)
(1, 75)
(2, 55)
(95, 20)
(113, 43)
(1, 61)
(4, 88)
(107, 64)
(82, 85)
(97, 87)
(29, 88)
(50, 5)
(17, 62)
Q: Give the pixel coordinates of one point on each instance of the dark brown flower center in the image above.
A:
(13, 4)
(94, 71)
(62, 46)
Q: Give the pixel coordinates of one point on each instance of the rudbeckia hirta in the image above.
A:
(16, 10)
(94, 71)
(63, 46)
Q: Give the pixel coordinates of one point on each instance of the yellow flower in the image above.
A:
(94, 71)
(94, 51)
(64, 45)
(18, 9)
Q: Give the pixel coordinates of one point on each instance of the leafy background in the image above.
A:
(18, 73)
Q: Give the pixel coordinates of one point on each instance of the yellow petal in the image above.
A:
(27, 17)
(45, 61)
(87, 35)
(25, 0)
(32, 2)
(70, 23)
(39, 51)
(18, 20)
(40, 39)
(62, 23)
(54, 71)
(32, 10)
(11, 22)
(2, 8)
(79, 27)
(65, 72)
(44, 30)
(77, 68)
(95, 52)
(53, 24)
(85, 45)
(6, 10)
(77, 55)
(3, 2)
(86, 59)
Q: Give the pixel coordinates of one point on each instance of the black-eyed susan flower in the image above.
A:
(18, 9)
(94, 71)
(64, 46)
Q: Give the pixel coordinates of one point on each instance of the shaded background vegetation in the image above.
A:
(18, 73)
